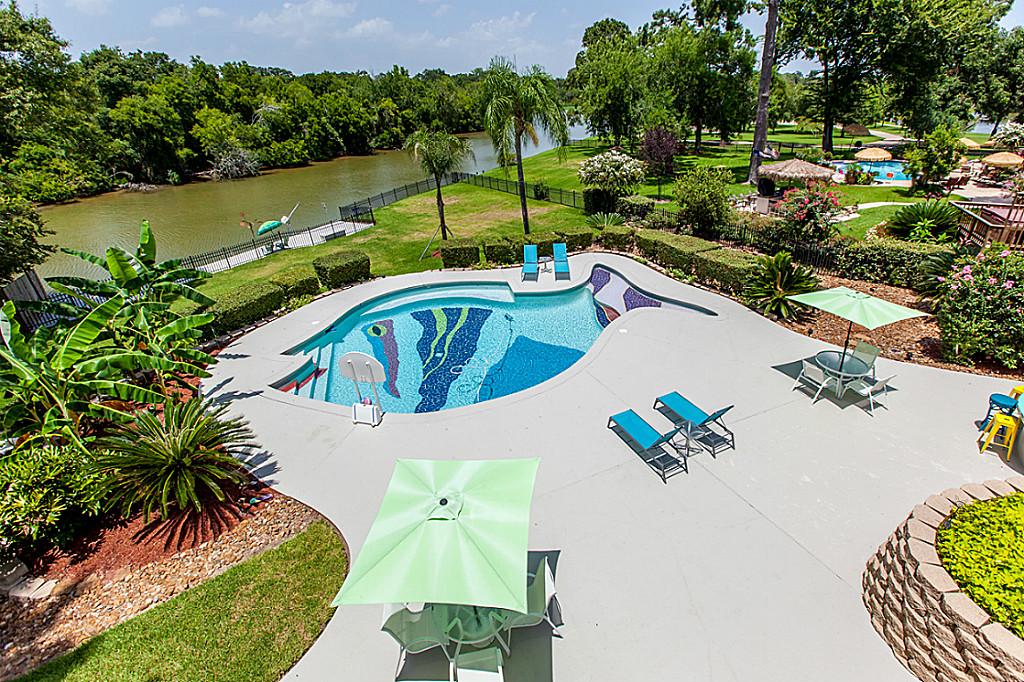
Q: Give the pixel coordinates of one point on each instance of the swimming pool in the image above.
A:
(446, 346)
(884, 171)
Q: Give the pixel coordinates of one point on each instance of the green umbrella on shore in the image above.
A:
(448, 532)
(857, 307)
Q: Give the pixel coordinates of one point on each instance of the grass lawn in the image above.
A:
(562, 174)
(867, 219)
(789, 134)
(249, 624)
(403, 229)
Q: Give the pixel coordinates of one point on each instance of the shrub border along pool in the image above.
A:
(932, 626)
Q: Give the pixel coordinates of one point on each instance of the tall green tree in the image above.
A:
(439, 154)
(841, 38)
(706, 71)
(516, 106)
(610, 81)
(21, 232)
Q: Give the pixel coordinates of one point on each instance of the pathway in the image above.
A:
(746, 568)
(868, 206)
(310, 237)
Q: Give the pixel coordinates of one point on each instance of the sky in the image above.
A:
(351, 35)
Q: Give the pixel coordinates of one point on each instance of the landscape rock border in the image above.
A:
(934, 628)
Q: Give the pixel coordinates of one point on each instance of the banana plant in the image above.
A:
(51, 380)
(138, 278)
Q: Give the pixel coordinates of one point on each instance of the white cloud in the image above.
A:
(170, 17)
(299, 20)
(89, 6)
(370, 28)
(210, 12)
(441, 10)
(501, 28)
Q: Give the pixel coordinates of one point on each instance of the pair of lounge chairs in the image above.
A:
(531, 263)
(693, 428)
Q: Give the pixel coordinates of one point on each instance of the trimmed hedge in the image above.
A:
(576, 239)
(245, 305)
(726, 269)
(344, 267)
(543, 240)
(634, 207)
(460, 253)
(672, 250)
(617, 238)
(505, 251)
(296, 281)
(886, 261)
(597, 200)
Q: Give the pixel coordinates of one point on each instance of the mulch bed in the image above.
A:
(916, 340)
(117, 572)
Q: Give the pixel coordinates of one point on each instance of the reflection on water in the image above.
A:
(204, 215)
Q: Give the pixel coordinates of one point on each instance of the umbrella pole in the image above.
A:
(846, 345)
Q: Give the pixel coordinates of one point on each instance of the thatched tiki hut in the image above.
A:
(792, 171)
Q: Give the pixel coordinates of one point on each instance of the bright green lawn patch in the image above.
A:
(249, 624)
(404, 228)
(867, 219)
(983, 549)
(788, 134)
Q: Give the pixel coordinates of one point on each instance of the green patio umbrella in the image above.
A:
(448, 532)
(857, 307)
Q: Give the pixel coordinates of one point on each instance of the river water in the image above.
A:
(204, 215)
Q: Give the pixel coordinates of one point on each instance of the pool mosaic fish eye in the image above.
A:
(454, 345)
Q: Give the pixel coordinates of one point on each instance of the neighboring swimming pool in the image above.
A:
(884, 171)
(447, 346)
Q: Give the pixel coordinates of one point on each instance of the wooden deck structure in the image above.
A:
(986, 222)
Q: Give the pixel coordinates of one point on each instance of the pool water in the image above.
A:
(455, 345)
(884, 171)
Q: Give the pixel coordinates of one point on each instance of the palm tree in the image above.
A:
(439, 153)
(517, 105)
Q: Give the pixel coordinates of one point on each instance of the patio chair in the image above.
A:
(867, 353)
(531, 266)
(649, 443)
(482, 665)
(697, 424)
(561, 260)
(871, 391)
(814, 376)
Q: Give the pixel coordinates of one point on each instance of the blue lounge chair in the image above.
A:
(696, 424)
(531, 267)
(648, 442)
(561, 259)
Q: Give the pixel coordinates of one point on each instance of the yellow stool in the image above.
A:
(1001, 432)
(1017, 391)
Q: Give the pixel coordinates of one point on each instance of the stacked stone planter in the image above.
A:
(936, 630)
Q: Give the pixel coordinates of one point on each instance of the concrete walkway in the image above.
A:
(745, 569)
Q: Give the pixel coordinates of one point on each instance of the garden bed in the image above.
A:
(118, 572)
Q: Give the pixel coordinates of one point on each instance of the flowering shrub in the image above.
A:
(612, 171)
(981, 308)
(809, 213)
(1010, 135)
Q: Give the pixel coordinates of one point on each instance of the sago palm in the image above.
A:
(177, 463)
(439, 153)
(516, 106)
(775, 278)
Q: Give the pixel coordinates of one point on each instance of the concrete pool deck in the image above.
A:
(746, 568)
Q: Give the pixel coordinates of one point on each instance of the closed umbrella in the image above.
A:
(857, 307)
(1004, 160)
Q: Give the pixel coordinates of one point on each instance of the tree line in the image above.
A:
(924, 63)
(75, 127)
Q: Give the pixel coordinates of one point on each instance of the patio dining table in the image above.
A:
(845, 368)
